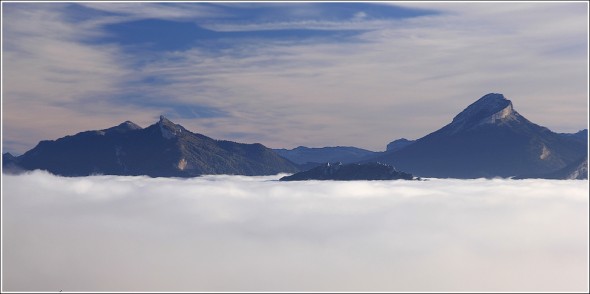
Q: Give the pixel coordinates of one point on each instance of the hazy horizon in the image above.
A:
(288, 74)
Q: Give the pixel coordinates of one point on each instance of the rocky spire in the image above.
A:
(490, 109)
(168, 128)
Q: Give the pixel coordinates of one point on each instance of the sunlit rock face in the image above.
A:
(580, 172)
(169, 129)
(577, 170)
(544, 153)
(490, 109)
(182, 164)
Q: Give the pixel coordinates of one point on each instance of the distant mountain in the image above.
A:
(8, 158)
(350, 172)
(10, 163)
(162, 149)
(577, 170)
(581, 135)
(398, 144)
(317, 156)
(487, 139)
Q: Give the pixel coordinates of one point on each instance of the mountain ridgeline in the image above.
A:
(164, 149)
(398, 144)
(371, 171)
(308, 158)
(489, 139)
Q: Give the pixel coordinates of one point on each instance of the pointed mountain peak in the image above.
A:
(168, 128)
(164, 120)
(121, 128)
(129, 125)
(9, 162)
(484, 107)
(492, 108)
(491, 101)
(7, 155)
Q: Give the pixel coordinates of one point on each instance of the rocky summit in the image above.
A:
(164, 149)
(489, 138)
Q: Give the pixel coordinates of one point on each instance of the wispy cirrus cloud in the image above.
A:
(47, 70)
(347, 84)
(56, 74)
(289, 74)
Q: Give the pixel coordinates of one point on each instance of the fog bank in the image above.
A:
(234, 233)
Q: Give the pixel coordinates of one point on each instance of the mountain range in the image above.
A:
(163, 149)
(307, 157)
(489, 138)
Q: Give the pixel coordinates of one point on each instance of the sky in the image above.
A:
(234, 233)
(288, 74)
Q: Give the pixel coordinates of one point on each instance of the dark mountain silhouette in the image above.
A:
(163, 149)
(8, 158)
(581, 135)
(317, 156)
(10, 163)
(577, 170)
(487, 139)
(398, 144)
(349, 172)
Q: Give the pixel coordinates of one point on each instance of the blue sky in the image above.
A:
(287, 74)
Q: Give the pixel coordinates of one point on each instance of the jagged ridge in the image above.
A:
(162, 149)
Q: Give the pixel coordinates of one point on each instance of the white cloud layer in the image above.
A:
(232, 233)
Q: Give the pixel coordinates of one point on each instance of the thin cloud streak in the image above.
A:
(233, 233)
(49, 72)
(402, 78)
(362, 80)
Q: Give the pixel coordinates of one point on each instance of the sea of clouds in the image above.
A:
(234, 233)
